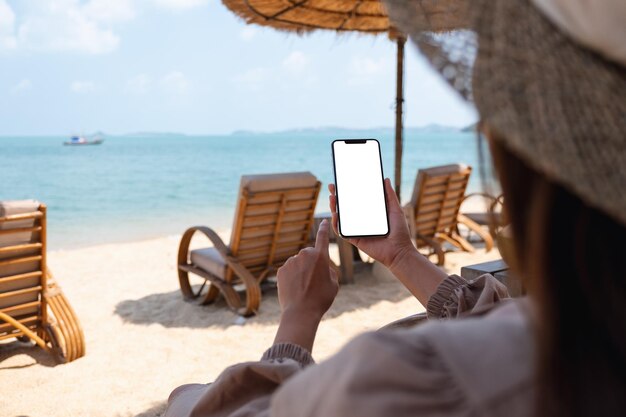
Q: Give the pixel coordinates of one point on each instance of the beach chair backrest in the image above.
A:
(22, 263)
(437, 197)
(273, 219)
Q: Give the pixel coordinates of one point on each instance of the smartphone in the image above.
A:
(359, 187)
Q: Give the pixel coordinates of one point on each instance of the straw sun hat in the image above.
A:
(548, 75)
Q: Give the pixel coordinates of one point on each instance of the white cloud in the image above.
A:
(175, 82)
(82, 87)
(248, 33)
(180, 4)
(296, 62)
(85, 26)
(65, 25)
(364, 70)
(7, 26)
(253, 79)
(369, 66)
(139, 84)
(24, 85)
(110, 10)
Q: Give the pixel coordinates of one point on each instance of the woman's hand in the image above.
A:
(386, 250)
(307, 287)
(396, 251)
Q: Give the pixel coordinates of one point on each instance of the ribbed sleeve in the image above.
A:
(443, 295)
(281, 351)
(456, 296)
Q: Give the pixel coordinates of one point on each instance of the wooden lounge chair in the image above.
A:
(272, 222)
(433, 212)
(32, 305)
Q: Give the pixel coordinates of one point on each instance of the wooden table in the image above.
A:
(500, 270)
(348, 254)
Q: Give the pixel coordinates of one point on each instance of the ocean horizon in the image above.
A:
(148, 185)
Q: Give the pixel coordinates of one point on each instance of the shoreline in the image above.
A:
(222, 228)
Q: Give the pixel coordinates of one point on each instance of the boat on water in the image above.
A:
(81, 140)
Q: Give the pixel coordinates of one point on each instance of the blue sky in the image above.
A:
(191, 66)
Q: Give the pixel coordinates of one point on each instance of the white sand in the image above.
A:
(143, 339)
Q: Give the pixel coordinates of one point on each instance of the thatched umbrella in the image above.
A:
(364, 16)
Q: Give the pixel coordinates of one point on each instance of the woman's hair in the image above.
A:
(573, 261)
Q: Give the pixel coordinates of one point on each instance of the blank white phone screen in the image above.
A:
(360, 192)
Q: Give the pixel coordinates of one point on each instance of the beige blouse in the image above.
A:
(478, 365)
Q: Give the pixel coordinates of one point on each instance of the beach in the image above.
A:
(143, 340)
(115, 216)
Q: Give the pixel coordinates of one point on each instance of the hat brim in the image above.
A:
(556, 104)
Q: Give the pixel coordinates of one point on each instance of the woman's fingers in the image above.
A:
(392, 198)
(333, 274)
(321, 241)
(332, 203)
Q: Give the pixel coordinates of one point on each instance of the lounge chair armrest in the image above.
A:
(476, 228)
(487, 196)
(251, 282)
(495, 200)
(217, 241)
(221, 247)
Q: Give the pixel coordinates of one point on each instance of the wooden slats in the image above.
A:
(20, 230)
(281, 213)
(11, 309)
(261, 228)
(439, 200)
(15, 261)
(292, 243)
(262, 260)
(272, 217)
(452, 196)
(251, 208)
(285, 235)
(23, 216)
(25, 246)
(296, 223)
(426, 226)
(266, 220)
(31, 322)
(254, 249)
(287, 192)
(18, 277)
(447, 178)
(260, 202)
(10, 294)
(435, 207)
(254, 261)
(441, 189)
(248, 243)
(271, 226)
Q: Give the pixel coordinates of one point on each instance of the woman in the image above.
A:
(549, 81)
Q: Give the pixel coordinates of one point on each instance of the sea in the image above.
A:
(141, 186)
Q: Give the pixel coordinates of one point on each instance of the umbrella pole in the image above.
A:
(399, 101)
